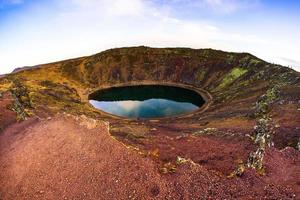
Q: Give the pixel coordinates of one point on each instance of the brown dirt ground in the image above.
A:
(69, 157)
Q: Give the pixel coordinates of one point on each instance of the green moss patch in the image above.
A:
(232, 76)
(22, 102)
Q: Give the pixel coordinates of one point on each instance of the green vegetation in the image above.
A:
(262, 134)
(206, 131)
(22, 102)
(262, 106)
(230, 59)
(264, 128)
(200, 75)
(254, 62)
(232, 76)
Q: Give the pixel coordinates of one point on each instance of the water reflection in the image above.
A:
(146, 101)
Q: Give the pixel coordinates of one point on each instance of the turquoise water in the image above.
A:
(146, 101)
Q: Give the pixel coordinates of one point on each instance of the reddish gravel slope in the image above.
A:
(75, 158)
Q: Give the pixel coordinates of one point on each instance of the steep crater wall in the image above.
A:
(235, 83)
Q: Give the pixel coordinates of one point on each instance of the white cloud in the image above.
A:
(128, 105)
(77, 28)
(228, 6)
(126, 7)
(140, 23)
(220, 6)
(291, 61)
(108, 7)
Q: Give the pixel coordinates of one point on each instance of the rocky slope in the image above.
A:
(243, 145)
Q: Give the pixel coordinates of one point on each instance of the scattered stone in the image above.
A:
(88, 122)
(239, 170)
(206, 131)
(154, 153)
(184, 135)
(181, 160)
(154, 120)
(168, 168)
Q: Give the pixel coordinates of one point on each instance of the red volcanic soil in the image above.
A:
(68, 157)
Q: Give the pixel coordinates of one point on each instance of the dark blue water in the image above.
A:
(146, 101)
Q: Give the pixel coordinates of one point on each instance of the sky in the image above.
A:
(33, 32)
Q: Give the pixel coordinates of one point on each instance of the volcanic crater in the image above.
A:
(241, 144)
(149, 100)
